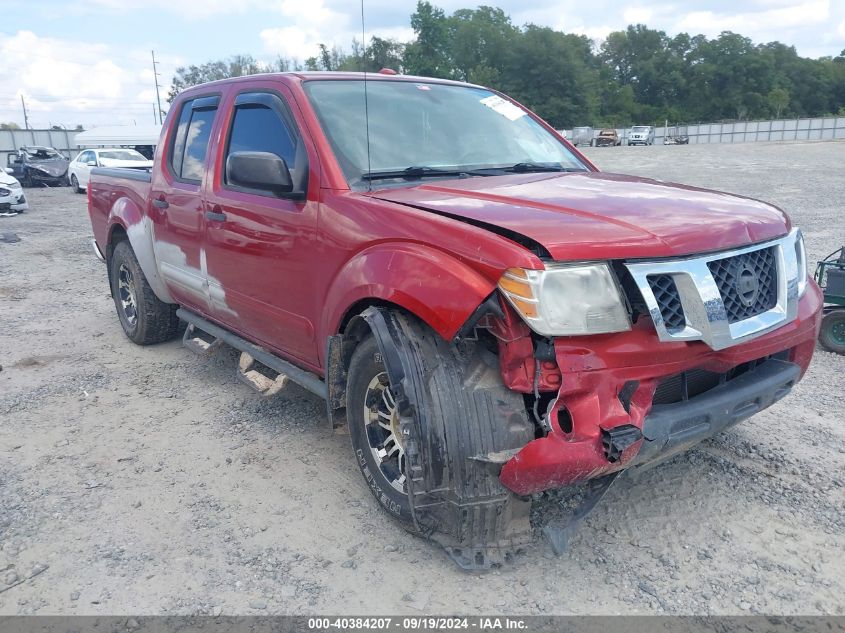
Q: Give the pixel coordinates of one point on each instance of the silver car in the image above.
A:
(641, 135)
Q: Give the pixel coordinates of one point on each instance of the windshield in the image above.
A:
(122, 154)
(430, 126)
(640, 128)
(42, 153)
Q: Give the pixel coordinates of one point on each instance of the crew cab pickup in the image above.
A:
(488, 314)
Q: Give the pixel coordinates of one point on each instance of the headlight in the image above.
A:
(567, 299)
(801, 258)
(4, 192)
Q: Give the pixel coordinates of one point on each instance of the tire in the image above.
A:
(74, 184)
(832, 333)
(366, 365)
(145, 319)
(458, 409)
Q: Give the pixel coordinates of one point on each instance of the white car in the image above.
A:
(80, 167)
(12, 200)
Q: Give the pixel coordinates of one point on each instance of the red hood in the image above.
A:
(579, 216)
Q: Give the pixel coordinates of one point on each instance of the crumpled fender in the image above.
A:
(126, 213)
(435, 286)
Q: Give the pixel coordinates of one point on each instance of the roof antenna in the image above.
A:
(366, 103)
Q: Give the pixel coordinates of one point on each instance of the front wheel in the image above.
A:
(374, 429)
(145, 318)
(832, 333)
(422, 445)
(74, 183)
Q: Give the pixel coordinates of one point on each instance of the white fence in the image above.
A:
(62, 140)
(816, 129)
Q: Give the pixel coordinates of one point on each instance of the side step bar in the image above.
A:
(199, 344)
(253, 352)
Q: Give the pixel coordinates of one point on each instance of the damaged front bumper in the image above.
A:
(605, 418)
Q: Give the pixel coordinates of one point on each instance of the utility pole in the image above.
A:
(155, 77)
(154, 114)
(25, 117)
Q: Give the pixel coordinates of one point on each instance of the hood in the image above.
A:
(582, 216)
(8, 179)
(52, 166)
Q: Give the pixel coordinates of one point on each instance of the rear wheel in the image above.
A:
(144, 317)
(832, 333)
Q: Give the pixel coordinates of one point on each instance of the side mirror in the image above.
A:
(91, 163)
(259, 170)
(9, 170)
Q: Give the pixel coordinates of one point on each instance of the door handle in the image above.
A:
(215, 216)
(161, 203)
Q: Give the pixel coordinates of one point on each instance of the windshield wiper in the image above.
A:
(412, 173)
(525, 168)
(521, 168)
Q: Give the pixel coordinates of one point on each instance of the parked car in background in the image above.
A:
(142, 138)
(641, 135)
(80, 167)
(608, 137)
(36, 165)
(676, 135)
(12, 200)
(582, 136)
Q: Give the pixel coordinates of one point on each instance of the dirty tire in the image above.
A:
(366, 364)
(459, 410)
(74, 184)
(155, 321)
(832, 333)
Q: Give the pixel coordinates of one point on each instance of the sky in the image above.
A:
(89, 62)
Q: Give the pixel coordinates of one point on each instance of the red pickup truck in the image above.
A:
(487, 313)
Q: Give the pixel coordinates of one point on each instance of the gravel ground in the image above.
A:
(149, 481)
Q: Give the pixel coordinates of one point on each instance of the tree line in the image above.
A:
(636, 76)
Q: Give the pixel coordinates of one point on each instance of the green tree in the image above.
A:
(428, 54)
(778, 100)
(637, 75)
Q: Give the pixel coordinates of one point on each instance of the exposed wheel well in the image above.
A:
(116, 235)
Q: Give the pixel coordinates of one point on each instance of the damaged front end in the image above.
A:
(606, 402)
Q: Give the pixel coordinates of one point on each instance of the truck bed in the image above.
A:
(116, 190)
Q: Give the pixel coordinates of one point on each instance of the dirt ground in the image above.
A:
(150, 481)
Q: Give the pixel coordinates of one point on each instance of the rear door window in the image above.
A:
(190, 144)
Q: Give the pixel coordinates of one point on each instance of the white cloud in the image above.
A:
(638, 15)
(69, 82)
(841, 29)
(756, 24)
(307, 25)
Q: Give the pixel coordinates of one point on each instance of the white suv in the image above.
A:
(641, 135)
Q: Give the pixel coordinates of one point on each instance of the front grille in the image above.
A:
(695, 382)
(743, 300)
(685, 386)
(668, 300)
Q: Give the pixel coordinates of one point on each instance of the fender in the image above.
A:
(140, 231)
(438, 288)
